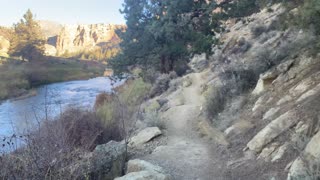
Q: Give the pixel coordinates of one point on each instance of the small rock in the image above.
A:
(144, 136)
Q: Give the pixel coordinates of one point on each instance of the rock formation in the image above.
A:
(76, 38)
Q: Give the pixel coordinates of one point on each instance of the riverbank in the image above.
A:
(17, 78)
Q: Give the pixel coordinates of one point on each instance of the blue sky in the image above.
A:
(63, 11)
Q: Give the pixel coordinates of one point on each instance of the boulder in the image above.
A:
(144, 175)
(273, 130)
(303, 167)
(142, 170)
(105, 162)
(264, 82)
(144, 136)
(141, 165)
(239, 128)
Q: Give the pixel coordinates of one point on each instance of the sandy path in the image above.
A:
(186, 156)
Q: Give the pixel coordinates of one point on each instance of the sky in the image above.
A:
(63, 11)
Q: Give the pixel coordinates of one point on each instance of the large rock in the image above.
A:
(144, 136)
(302, 167)
(264, 82)
(143, 170)
(273, 130)
(144, 175)
(105, 162)
(141, 165)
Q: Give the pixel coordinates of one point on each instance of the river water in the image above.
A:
(18, 115)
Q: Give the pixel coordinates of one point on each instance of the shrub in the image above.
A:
(55, 145)
(235, 83)
(257, 30)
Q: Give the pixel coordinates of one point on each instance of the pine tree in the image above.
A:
(163, 33)
(28, 41)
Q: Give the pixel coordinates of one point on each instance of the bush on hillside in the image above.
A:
(235, 83)
(55, 145)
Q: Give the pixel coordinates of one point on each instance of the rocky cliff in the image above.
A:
(76, 38)
(5, 34)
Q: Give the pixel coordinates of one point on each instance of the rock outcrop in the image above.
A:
(76, 38)
(144, 136)
(105, 162)
(4, 46)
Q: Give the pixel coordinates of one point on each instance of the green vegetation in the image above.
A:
(16, 76)
(28, 41)
(163, 34)
(124, 102)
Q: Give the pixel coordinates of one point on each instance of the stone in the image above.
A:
(280, 152)
(144, 136)
(311, 155)
(105, 162)
(269, 114)
(273, 130)
(301, 88)
(267, 151)
(284, 100)
(258, 103)
(309, 93)
(137, 165)
(264, 82)
(239, 128)
(144, 175)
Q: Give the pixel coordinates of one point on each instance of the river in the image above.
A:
(18, 115)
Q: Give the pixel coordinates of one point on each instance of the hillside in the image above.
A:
(224, 122)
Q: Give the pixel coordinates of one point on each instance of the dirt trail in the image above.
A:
(186, 156)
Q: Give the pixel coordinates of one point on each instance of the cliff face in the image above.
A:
(5, 34)
(77, 38)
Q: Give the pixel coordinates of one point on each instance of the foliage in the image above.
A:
(309, 15)
(124, 101)
(162, 34)
(56, 145)
(28, 40)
